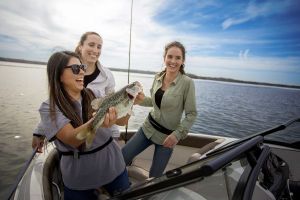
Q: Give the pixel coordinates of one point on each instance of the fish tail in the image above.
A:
(90, 137)
(83, 134)
(88, 134)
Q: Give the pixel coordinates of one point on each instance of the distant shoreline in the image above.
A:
(151, 72)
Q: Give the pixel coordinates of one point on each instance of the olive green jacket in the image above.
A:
(179, 98)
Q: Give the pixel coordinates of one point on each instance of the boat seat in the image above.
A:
(189, 149)
(139, 169)
(52, 179)
(137, 174)
(196, 156)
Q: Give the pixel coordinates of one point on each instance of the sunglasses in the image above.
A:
(76, 68)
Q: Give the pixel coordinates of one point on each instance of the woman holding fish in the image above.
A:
(97, 77)
(172, 93)
(67, 113)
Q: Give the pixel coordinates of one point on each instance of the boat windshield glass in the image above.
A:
(220, 185)
(289, 136)
(215, 177)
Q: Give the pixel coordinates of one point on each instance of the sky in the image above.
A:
(250, 40)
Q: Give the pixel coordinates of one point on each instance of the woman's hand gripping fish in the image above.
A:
(122, 100)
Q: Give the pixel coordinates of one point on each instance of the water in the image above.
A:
(227, 109)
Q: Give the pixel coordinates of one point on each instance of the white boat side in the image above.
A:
(40, 180)
(32, 184)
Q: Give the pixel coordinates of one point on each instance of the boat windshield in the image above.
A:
(216, 177)
(287, 134)
(289, 137)
(221, 185)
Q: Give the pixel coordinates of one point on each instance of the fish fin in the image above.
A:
(110, 92)
(96, 103)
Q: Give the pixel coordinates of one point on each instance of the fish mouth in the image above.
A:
(130, 96)
(132, 92)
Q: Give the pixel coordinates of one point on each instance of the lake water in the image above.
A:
(228, 109)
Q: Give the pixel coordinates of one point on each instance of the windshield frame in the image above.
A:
(200, 169)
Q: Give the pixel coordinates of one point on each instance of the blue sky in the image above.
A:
(245, 40)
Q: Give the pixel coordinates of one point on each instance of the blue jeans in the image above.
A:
(119, 184)
(138, 143)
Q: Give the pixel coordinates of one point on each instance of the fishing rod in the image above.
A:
(129, 50)
(129, 57)
(21, 174)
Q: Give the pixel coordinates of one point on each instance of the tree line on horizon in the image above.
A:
(151, 72)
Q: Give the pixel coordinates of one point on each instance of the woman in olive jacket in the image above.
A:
(172, 94)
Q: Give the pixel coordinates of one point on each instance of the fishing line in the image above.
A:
(129, 56)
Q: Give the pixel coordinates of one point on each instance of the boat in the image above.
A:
(202, 167)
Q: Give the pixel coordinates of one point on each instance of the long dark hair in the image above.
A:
(58, 95)
(181, 47)
(82, 39)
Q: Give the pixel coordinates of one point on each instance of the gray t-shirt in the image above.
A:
(91, 170)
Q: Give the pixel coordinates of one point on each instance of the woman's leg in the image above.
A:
(70, 194)
(119, 184)
(138, 143)
(161, 158)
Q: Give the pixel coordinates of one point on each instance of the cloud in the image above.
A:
(256, 9)
(33, 29)
(243, 55)
(48, 24)
(254, 63)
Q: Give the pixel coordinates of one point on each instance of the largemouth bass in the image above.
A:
(122, 100)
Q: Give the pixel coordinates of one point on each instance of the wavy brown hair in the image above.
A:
(181, 47)
(58, 95)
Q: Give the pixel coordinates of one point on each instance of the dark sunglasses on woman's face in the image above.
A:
(76, 68)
